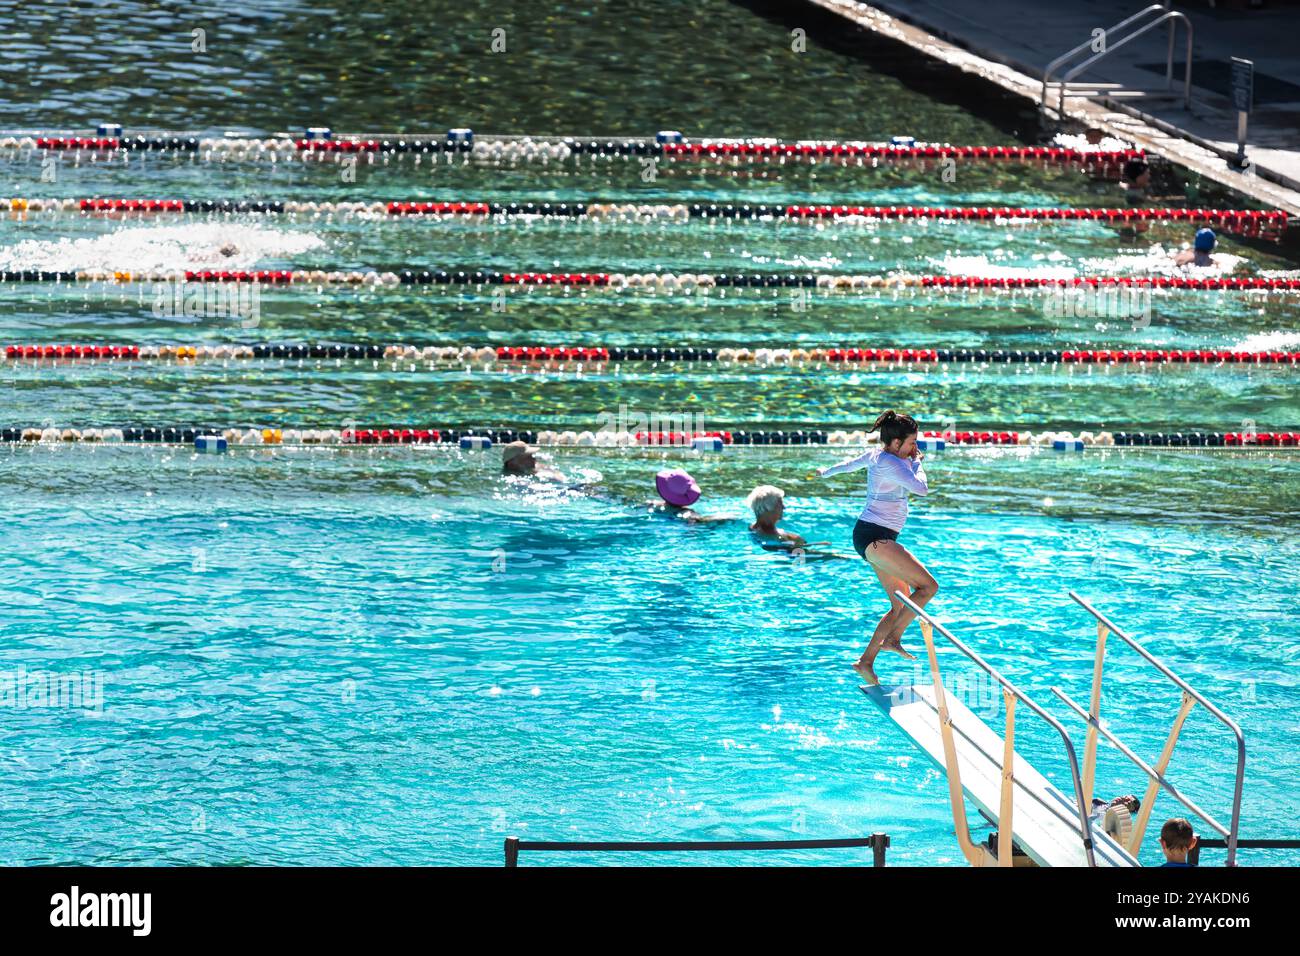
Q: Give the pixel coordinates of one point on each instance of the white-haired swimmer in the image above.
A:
(893, 472)
(768, 504)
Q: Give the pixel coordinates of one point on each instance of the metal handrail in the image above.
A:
(1085, 820)
(1087, 44)
(1239, 783)
(1172, 15)
(878, 842)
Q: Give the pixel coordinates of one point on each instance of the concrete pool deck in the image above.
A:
(1010, 42)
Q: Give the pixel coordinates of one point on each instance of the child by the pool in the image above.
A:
(1176, 840)
(893, 472)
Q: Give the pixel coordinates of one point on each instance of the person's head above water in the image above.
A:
(517, 458)
(768, 502)
(1205, 240)
(1136, 172)
(677, 487)
(897, 433)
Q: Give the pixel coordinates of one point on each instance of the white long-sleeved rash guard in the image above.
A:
(889, 480)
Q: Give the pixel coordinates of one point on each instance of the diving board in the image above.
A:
(1045, 823)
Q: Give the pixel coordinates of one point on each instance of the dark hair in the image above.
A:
(1177, 834)
(1133, 169)
(892, 425)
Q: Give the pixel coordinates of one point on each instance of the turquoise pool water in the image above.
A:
(358, 658)
(370, 656)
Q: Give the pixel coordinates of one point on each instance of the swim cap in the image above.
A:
(1205, 240)
(677, 487)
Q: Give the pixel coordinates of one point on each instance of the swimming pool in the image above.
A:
(393, 655)
(369, 658)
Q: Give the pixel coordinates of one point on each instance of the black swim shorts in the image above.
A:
(865, 532)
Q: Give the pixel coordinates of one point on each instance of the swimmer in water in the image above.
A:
(1135, 178)
(768, 504)
(893, 472)
(229, 249)
(677, 492)
(1199, 254)
(519, 458)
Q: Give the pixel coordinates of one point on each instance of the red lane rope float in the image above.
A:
(523, 354)
(473, 437)
(656, 282)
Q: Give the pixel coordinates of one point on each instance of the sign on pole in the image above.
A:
(1243, 95)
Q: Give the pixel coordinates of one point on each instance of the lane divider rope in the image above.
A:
(552, 355)
(545, 150)
(425, 435)
(652, 282)
(1247, 221)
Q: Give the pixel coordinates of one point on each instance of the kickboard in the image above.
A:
(1044, 822)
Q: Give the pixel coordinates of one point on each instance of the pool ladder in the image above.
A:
(1142, 22)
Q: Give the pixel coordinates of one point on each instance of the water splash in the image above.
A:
(137, 248)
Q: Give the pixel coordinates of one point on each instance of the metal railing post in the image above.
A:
(1169, 57)
(512, 851)
(879, 844)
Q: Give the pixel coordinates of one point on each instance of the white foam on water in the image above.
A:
(161, 248)
(1160, 261)
(1155, 261)
(1269, 342)
(980, 266)
(1080, 142)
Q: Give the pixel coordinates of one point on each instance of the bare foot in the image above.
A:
(898, 648)
(866, 673)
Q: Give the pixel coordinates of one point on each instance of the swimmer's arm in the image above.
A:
(849, 464)
(696, 518)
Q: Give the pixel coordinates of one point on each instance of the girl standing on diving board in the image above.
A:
(893, 471)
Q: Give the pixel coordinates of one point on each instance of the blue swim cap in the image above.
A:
(1205, 240)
